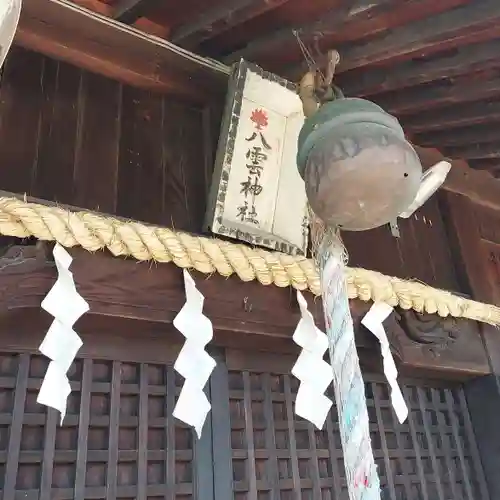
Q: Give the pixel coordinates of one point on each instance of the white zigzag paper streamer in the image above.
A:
(314, 374)
(193, 363)
(374, 321)
(61, 343)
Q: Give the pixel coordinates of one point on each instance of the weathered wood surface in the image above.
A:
(410, 74)
(119, 439)
(125, 295)
(477, 248)
(445, 27)
(65, 31)
(442, 93)
(128, 11)
(433, 57)
(74, 137)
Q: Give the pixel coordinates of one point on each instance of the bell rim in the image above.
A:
(317, 127)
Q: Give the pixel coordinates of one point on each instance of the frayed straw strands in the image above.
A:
(94, 231)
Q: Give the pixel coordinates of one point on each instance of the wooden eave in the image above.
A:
(435, 65)
(65, 31)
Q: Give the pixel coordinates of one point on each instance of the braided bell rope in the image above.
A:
(144, 242)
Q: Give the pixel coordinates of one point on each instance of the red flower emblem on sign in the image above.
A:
(259, 117)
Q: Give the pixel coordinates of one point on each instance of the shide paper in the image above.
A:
(55, 389)
(193, 362)
(314, 374)
(61, 343)
(374, 321)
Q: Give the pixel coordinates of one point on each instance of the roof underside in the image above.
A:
(435, 64)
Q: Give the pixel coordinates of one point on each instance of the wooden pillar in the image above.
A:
(477, 247)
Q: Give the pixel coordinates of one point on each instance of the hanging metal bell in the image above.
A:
(358, 168)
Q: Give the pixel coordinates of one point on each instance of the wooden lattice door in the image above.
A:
(119, 440)
(277, 455)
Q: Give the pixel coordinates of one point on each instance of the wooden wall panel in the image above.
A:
(74, 137)
(53, 177)
(97, 159)
(21, 99)
(70, 136)
(421, 252)
(141, 173)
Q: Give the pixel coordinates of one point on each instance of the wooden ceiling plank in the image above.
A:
(421, 35)
(440, 94)
(451, 117)
(64, 31)
(128, 11)
(468, 59)
(329, 21)
(458, 136)
(446, 28)
(220, 18)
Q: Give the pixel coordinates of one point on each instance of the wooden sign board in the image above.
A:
(10, 10)
(257, 194)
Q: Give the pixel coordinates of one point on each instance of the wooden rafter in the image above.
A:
(128, 11)
(218, 19)
(490, 164)
(411, 73)
(453, 116)
(458, 136)
(442, 93)
(332, 19)
(449, 28)
(476, 151)
(64, 31)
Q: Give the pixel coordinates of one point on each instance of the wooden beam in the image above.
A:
(477, 185)
(449, 28)
(442, 93)
(128, 11)
(62, 30)
(131, 296)
(222, 17)
(490, 164)
(452, 116)
(468, 59)
(204, 20)
(330, 20)
(457, 136)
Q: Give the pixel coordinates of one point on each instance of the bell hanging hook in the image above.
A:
(316, 88)
(333, 59)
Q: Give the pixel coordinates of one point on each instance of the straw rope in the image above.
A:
(94, 231)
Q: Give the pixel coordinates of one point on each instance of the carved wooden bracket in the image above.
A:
(430, 341)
